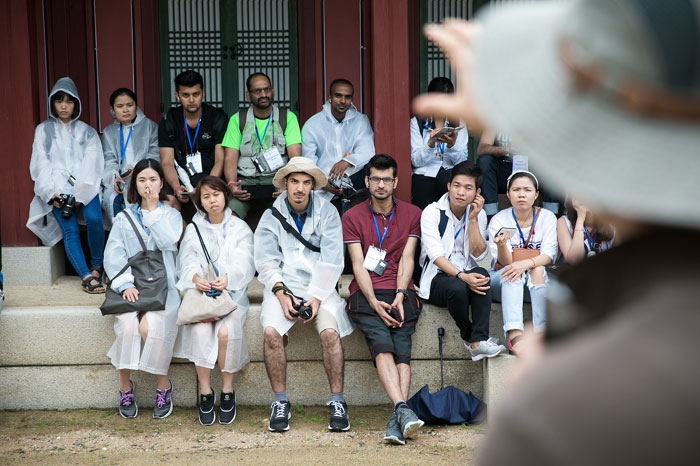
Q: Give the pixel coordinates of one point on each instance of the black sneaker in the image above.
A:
(127, 405)
(279, 417)
(227, 410)
(207, 416)
(339, 416)
(164, 403)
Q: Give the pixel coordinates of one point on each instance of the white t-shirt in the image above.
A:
(604, 245)
(543, 239)
(458, 258)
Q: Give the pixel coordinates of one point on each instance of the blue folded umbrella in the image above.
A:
(449, 405)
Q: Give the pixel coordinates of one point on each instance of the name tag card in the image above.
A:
(374, 260)
(194, 163)
(273, 158)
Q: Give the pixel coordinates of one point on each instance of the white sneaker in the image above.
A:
(487, 349)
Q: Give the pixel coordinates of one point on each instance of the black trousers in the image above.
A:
(456, 295)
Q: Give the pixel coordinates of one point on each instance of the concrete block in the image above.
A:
(307, 383)
(497, 373)
(38, 265)
(94, 386)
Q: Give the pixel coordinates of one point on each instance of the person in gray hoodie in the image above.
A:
(131, 138)
(66, 167)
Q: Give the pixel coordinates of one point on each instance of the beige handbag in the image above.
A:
(523, 254)
(197, 306)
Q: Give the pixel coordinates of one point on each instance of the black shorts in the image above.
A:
(380, 338)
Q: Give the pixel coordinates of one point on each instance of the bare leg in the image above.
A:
(389, 376)
(226, 377)
(333, 360)
(204, 377)
(163, 382)
(537, 275)
(275, 359)
(124, 384)
(404, 379)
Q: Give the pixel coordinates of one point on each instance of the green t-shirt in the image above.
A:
(232, 138)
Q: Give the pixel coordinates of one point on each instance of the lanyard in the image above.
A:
(297, 220)
(464, 219)
(521, 231)
(376, 228)
(122, 144)
(588, 238)
(267, 125)
(187, 132)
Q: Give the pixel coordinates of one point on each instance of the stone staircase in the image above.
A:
(53, 345)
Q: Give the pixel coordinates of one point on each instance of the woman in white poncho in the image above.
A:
(131, 138)
(67, 164)
(229, 242)
(160, 227)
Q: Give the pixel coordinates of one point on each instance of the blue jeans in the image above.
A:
(511, 294)
(118, 204)
(71, 236)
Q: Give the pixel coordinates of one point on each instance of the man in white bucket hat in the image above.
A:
(299, 257)
(605, 96)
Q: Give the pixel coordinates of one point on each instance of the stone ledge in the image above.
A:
(35, 265)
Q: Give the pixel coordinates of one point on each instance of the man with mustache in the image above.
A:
(339, 139)
(258, 142)
(298, 253)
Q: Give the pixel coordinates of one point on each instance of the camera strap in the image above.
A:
(291, 229)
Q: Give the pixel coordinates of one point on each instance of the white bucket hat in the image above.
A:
(635, 163)
(300, 165)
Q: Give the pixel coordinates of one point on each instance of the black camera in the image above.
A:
(303, 312)
(344, 183)
(67, 202)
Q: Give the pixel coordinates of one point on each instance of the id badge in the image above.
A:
(519, 163)
(432, 170)
(273, 158)
(194, 162)
(374, 260)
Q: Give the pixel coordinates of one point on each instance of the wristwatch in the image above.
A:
(458, 273)
(399, 290)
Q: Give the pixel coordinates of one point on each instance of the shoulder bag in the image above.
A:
(290, 229)
(150, 279)
(196, 305)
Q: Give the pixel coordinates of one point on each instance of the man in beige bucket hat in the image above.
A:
(299, 258)
(605, 96)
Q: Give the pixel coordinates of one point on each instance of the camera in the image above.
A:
(67, 202)
(303, 312)
(395, 314)
(344, 183)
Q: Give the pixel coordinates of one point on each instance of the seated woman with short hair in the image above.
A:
(581, 233)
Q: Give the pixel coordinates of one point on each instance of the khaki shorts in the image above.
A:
(324, 320)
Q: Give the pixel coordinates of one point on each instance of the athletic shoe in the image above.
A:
(127, 405)
(227, 410)
(339, 416)
(164, 403)
(207, 416)
(408, 420)
(279, 417)
(393, 431)
(486, 349)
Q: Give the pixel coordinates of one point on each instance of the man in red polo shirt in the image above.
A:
(382, 236)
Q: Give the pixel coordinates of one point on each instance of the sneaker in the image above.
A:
(164, 403)
(127, 406)
(207, 416)
(393, 431)
(339, 416)
(279, 417)
(487, 349)
(227, 410)
(408, 420)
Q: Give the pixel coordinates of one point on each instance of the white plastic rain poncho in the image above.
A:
(230, 246)
(59, 151)
(142, 144)
(422, 155)
(160, 230)
(280, 257)
(325, 141)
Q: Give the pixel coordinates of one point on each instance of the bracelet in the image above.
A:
(231, 182)
(277, 288)
(533, 262)
(458, 274)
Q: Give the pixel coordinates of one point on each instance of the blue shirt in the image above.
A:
(299, 219)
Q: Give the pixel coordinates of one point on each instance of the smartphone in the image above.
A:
(445, 130)
(506, 230)
(125, 173)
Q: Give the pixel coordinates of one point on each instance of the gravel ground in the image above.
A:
(102, 437)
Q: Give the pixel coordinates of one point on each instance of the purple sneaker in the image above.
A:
(164, 403)
(127, 404)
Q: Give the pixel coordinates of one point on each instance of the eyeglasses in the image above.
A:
(259, 91)
(376, 179)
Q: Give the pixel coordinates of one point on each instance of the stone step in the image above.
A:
(95, 385)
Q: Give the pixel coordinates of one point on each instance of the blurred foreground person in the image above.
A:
(617, 83)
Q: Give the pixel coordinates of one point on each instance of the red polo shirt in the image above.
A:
(358, 227)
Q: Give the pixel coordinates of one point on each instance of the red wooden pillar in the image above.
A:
(391, 85)
(18, 117)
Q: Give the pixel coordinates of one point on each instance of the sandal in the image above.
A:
(512, 342)
(100, 271)
(91, 288)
